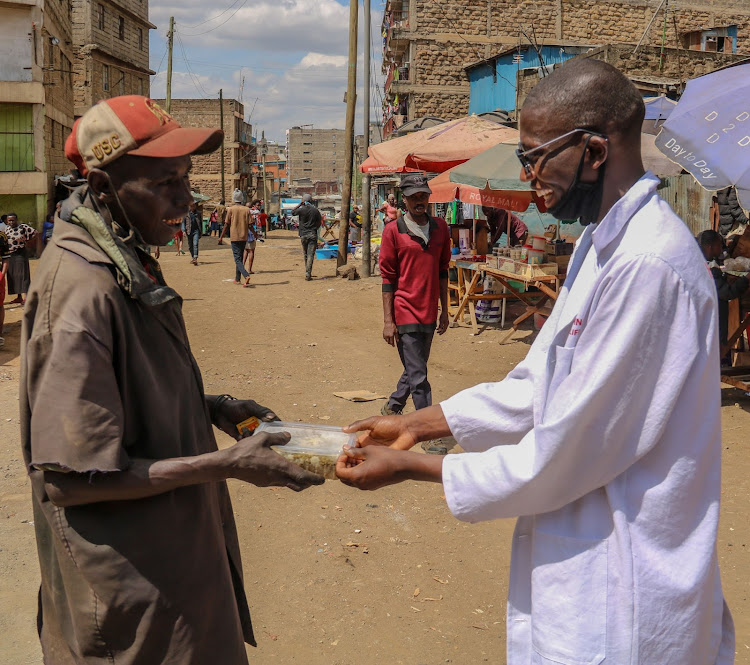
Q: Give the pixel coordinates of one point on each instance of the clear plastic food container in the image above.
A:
(313, 447)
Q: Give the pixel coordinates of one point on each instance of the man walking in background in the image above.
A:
(309, 223)
(238, 222)
(414, 256)
(193, 231)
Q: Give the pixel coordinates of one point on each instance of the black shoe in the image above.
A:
(388, 411)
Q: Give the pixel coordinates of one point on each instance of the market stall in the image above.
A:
(705, 134)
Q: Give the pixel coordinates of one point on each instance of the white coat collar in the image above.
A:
(623, 210)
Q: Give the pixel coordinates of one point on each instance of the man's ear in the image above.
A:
(100, 185)
(598, 149)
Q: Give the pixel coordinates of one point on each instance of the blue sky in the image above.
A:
(290, 53)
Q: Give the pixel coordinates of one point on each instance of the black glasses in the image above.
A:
(528, 163)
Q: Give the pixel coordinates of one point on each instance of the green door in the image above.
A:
(16, 137)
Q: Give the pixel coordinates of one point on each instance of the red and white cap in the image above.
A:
(133, 125)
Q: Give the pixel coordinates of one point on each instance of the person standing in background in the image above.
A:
(237, 222)
(414, 257)
(4, 257)
(497, 220)
(389, 209)
(263, 222)
(19, 276)
(193, 231)
(309, 223)
(221, 214)
(355, 225)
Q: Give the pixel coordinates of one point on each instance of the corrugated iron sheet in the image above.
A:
(689, 200)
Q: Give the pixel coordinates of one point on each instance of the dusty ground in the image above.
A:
(335, 576)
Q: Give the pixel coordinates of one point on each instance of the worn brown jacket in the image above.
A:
(108, 376)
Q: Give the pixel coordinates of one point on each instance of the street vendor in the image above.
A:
(712, 246)
(138, 549)
(498, 219)
(605, 441)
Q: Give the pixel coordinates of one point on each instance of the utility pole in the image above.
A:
(265, 187)
(366, 212)
(221, 120)
(170, 45)
(351, 106)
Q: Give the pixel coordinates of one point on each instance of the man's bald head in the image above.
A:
(591, 94)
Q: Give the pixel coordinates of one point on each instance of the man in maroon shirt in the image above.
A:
(414, 256)
(497, 220)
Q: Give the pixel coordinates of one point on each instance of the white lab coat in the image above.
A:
(606, 441)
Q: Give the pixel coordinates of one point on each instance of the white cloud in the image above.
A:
(308, 90)
(318, 59)
(260, 25)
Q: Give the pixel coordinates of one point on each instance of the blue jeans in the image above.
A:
(238, 247)
(193, 240)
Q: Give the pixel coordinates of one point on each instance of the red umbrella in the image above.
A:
(437, 149)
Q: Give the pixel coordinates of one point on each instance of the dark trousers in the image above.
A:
(193, 240)
(309, 245)
(238, 247)
(414, 350)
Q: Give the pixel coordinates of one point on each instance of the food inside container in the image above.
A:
(313, 447)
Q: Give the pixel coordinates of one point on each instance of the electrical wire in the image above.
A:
(213, 18)
(216, 27)
(195, 79)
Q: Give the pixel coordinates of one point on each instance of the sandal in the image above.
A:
(435, 447)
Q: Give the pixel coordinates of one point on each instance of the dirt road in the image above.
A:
(335, 576)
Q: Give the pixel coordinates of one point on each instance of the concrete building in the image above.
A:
(110, 39)
(36, 104)
(428, 43)
(239, 150)
(315, 154)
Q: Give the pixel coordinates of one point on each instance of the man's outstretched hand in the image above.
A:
(390, 431)
(252, 460)
(233, 411)
(376, 466)
(401, 432)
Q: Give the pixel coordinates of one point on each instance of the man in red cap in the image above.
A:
(138, 550)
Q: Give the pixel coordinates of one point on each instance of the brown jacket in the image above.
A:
(107, 376)
(239, 219)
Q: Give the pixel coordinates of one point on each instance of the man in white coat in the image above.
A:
(605, 441)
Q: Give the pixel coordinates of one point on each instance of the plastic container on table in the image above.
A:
(313, 447)
(536, 255)
(538, 242)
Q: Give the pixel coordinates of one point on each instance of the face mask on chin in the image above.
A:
(582, 200)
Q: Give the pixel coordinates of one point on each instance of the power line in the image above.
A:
(195, 79)
(213, 18)
(216, 27)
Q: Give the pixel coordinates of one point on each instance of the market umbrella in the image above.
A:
(497, 168)
(708, 132)
(443, 191)
(437, 149)
(200, 198)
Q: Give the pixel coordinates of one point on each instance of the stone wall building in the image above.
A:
(110, 39)
(428, 43)
(317, 154)
(36, 104)
(239, 151)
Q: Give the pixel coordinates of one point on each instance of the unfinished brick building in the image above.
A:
(110, 41)
(239, 152)
(428, 43)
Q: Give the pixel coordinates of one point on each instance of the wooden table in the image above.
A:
(468, 289)
(548, 285)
